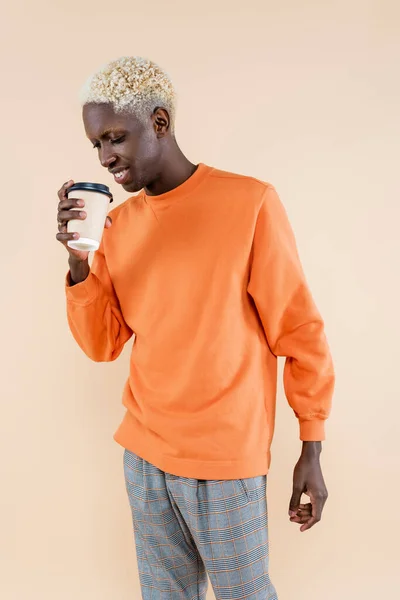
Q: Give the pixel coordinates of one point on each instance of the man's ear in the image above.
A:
(161, 122)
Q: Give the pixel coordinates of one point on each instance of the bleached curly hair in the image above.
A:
(134, 84)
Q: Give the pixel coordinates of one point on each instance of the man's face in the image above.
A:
(130, 150)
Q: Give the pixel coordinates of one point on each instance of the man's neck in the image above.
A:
(175, 171)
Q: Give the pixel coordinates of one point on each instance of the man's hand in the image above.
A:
(308, 479)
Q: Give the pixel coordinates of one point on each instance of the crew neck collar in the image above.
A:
(183, 190)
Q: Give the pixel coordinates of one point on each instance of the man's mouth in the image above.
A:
(121, 176)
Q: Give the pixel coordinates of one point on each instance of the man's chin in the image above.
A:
(132, 187)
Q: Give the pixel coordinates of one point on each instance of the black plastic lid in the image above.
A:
(91, 187)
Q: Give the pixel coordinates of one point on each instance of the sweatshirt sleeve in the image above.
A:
(94, 313)
(291, 321)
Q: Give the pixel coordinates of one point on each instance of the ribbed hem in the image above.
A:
(133, 437)
(312, 431)
(81, 293)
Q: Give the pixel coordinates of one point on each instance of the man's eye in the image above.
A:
(116, 141)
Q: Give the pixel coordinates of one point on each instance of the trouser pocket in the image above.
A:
(243, 484)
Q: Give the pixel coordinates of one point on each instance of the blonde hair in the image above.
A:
(132, 84)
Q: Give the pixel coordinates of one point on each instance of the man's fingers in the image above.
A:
(62, 192)
(301, 520)
(295, 501)
(304, 513)
(317, 504)
(65, 237)
(310, 523)
(304, 509)
(69, 215)
(317, 501)
(68, 203)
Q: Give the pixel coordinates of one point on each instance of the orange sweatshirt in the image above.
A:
(208, 278)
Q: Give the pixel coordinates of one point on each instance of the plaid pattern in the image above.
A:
(185, 528)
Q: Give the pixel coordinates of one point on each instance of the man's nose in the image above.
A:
(107, 158)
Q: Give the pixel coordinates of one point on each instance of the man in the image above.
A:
(202, 267)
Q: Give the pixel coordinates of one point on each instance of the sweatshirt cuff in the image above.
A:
(81, 293)
(312, 431)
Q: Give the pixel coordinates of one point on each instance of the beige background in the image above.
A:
(302, 94)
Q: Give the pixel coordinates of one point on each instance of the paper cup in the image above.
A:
(97, 198)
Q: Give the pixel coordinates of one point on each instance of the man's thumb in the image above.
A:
(294, 502)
